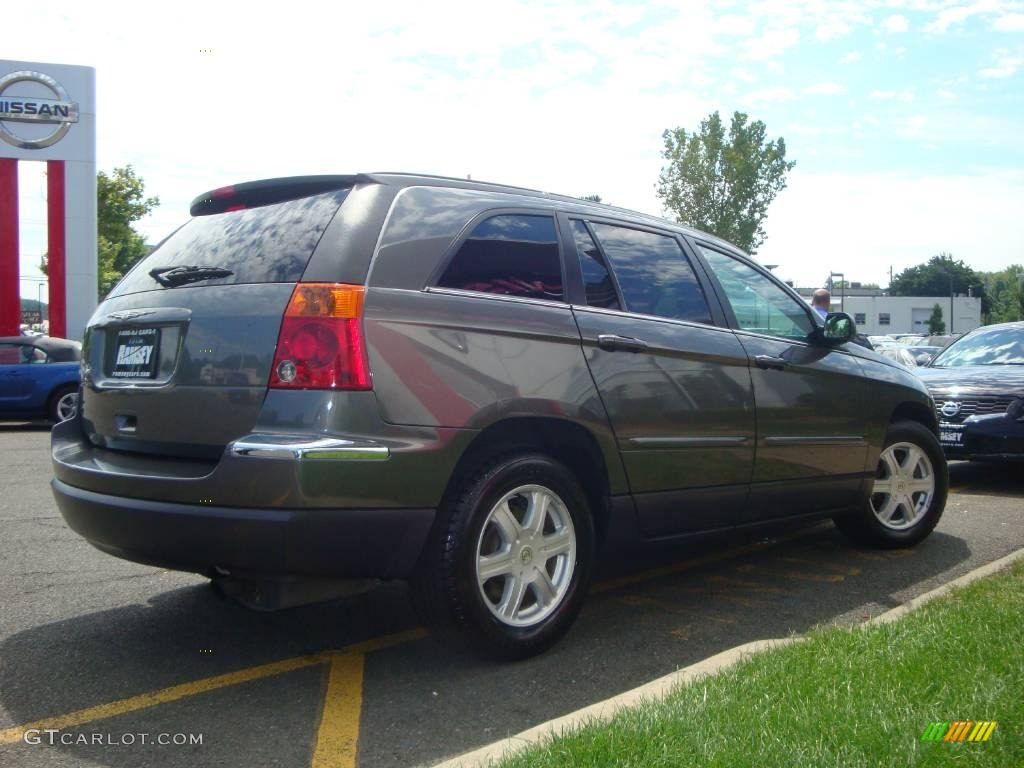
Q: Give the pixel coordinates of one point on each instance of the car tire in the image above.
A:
(909, 491)
(509, 560)
(63, 399)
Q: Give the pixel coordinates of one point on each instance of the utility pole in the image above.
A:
(950, 276)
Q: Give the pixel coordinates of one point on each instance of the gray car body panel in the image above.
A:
(678, 426)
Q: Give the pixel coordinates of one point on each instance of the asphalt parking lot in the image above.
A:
(107, 650)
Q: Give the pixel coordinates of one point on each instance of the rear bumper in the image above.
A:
(342, 543)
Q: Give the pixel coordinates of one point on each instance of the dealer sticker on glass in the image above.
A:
(136, 353)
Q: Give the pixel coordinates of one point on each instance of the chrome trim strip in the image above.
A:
(817, 440)
(687, 442)
(459, 292)
(306, 449)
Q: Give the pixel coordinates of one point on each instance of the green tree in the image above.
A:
(936, 325)
(1005, 291)
(933, 279)
(120, 201)
(723, 184)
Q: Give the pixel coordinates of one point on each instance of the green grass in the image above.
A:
(845, 697)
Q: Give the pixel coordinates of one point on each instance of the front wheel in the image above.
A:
(510, 561)
(908, 493)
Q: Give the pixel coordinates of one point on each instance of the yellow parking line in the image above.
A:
(843, 569)
(789, 574)
(162, 696)
(337, 739)
(176, 692)
(749, 586)
(699, 611)
(697, 562)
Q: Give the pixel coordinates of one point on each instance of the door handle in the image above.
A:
(613, 342)
(770, 361)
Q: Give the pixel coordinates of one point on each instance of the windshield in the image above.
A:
(1003, 346)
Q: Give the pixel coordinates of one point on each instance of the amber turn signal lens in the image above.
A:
(326, 300)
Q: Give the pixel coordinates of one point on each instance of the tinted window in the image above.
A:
(33, 355)
(596, 279)
(509, 254)
(654, 274)
(759, 304)
(10, 354)
(269, 244)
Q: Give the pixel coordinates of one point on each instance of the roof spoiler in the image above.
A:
(252, 194)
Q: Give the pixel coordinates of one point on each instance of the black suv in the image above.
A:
(479, 388)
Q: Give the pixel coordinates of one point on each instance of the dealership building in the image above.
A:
(877, 313)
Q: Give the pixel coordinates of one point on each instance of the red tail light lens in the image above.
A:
(321, 343)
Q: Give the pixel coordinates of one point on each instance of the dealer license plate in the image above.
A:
(949, 435)
(136, 353)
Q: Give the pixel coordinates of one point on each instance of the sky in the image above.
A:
(905, 117)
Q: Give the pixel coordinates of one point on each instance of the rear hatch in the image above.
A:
(178, 358)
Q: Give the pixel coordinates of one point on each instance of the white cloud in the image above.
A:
(892, 220)
(892, 95)
(954, 15)
(852, 57)
(831, 29)
(776, 94)
(1004, 65)
(1011, 22)
(743, 74)
(824, 89)
(771, 43)
(896, 23)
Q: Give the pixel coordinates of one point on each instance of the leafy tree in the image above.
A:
(933, 279)
(120, 201)
(591, 198)
(723, 185)
(1005, 290)
(936, 325)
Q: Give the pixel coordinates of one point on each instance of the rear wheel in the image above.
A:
(63, 403)
(909, 490)
(510, 561)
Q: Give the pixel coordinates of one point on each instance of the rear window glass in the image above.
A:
(269, 244)
(509, 254)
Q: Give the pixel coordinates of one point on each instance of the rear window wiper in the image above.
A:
(171, 277)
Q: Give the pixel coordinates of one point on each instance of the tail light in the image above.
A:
(321, 344)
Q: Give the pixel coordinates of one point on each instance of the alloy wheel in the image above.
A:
(904, 486)
(67, 406)
(526, 555)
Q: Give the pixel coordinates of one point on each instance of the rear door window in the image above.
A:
(267, 244)
(597, 280)
(510, 255)
(654, 275)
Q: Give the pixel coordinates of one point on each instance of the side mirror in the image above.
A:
(839, 327)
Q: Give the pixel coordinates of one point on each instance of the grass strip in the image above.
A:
(859, 696)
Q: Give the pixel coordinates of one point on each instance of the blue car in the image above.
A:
(39, 377)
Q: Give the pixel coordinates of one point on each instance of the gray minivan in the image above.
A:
(482, 389)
